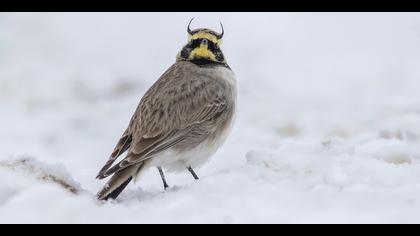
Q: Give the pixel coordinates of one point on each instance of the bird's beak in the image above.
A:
(204, 43)
(203, 51)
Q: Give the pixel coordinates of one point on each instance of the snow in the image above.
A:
(327, 131)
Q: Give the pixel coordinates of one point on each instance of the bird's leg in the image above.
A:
(165, 185)
(193, 173)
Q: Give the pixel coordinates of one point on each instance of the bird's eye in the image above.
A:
(213, 47)
(194, 44)
(219, 56)
(185, 53)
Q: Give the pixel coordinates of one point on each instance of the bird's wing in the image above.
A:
(174, 107)
(123, 145)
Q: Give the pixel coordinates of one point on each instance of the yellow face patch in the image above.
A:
(202, 51)
(205, 35)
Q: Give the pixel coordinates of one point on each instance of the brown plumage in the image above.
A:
(189, 108)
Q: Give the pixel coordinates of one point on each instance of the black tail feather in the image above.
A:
(114, 194)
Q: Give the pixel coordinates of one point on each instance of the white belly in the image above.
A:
(175, 161)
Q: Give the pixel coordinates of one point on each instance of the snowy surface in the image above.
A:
(328, 129)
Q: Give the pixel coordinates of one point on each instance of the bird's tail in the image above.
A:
(119, 182)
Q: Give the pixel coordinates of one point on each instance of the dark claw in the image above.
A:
(162, 175)
(193, 173)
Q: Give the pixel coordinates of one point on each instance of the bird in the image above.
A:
(181, 120)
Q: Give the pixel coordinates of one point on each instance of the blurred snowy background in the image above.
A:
(328, 129)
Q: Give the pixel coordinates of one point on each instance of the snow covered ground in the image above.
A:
(328, 129)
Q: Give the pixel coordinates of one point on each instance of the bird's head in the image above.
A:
(203, 46)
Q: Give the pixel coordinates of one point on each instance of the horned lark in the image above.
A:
(181, 120)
